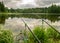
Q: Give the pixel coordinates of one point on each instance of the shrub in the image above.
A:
(40, 33)
(52, 33)
(45, 35)
(6, 36)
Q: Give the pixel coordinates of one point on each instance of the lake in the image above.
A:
(15, 23)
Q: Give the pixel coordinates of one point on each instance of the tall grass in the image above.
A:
(45, 35)
(6, 36)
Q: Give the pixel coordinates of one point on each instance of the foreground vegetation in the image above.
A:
(6, 36)
(45, 35)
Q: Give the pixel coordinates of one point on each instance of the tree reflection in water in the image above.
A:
(50, 16)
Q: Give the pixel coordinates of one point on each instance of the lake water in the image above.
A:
(16, 24)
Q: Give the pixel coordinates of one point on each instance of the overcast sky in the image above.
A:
(29, 3)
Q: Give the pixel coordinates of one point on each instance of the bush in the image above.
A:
(40, 33)
(52, 34)
(6, 36)
(45, 35)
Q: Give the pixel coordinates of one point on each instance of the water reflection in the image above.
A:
(51, 17)
(2, 18)
(14, 22)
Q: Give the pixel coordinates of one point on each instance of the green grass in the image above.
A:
(45, 35)
(6, 36)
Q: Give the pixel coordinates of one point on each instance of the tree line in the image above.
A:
(50, 9)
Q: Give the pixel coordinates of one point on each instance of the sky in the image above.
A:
(29, 3)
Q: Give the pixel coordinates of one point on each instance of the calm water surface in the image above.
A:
(16, 24)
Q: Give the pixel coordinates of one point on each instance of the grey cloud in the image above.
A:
(46, 2)
(9, 1)
(11, 5)
(27, 6)
(51, 1)
(39, 3)
(17, 4)
(6, 1)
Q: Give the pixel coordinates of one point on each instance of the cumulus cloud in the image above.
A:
(29, 3)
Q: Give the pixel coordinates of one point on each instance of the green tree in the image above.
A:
(53, 9)
(2, 7)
